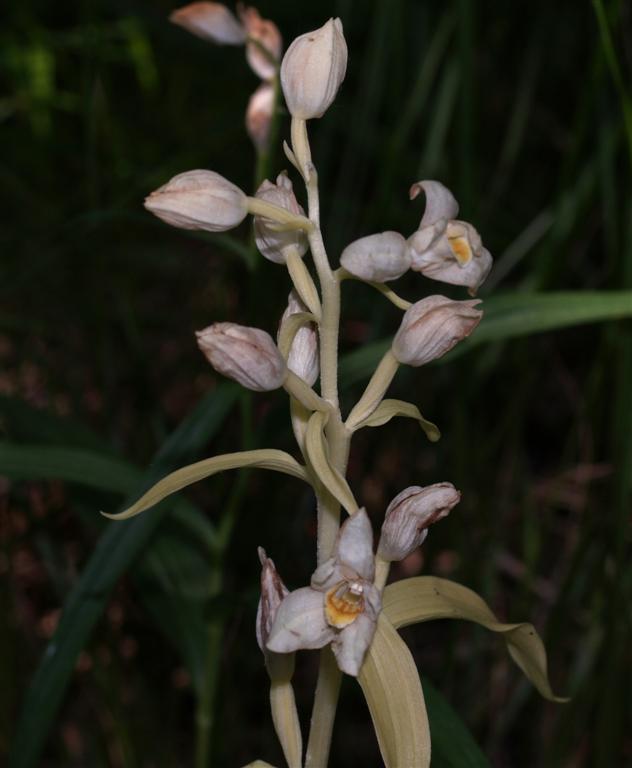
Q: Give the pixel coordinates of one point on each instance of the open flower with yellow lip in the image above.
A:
(444, 248)
(340, 607)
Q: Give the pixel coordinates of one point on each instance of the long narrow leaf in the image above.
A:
(117, 549)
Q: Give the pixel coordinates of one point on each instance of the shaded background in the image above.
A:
(521, 110)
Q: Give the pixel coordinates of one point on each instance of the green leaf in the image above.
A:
(510, 316)
(116, 551)
(427, 597)
(74, 465)
(316, 452)
(388, 409)
(452, 744)
(392, 689)
(263, 458)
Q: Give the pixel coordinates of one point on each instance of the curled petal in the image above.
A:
(440, 202)
(210, 21)
(300, 623)
(355, 545)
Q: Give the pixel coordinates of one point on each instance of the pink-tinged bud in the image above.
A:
(247, 355)
(259, 116)
(410, 514)
(313, 69)
(199, 200)
(271, 243)
(263, 50)
(303, 359)
(210, 21)
(273, 590)
(377, 258)
(432, 326)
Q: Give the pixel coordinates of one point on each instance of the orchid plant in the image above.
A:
(347, 610)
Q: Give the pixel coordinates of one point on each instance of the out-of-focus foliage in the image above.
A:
(524, 110)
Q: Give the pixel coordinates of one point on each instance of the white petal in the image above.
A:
(352, 642)
(210, 21)
(355, 545)
(440, 202)
(377, 258)
(300, 623)
(328, 575)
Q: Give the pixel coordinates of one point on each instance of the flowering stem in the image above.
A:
(338, 438)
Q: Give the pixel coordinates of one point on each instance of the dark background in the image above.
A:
(523, 109)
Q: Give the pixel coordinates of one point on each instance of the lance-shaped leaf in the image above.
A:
(392, 689)
(286, 722)
(316, 451)
(388, 409)
(290, 327)
(426, 597)
(265, 458)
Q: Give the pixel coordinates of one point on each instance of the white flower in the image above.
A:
(272, 242)
(264, 46)
(444, 248)
(210, 21)
(377, 258)
(340, 607)
(410, 514)
(199, 200)
(247, 355)
(432, 326)
(313, 69)
(303, 359)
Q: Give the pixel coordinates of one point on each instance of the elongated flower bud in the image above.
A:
(199, 200)
(273, 590)
(432, 326)
(312, 70)
(410, 514)
(377, 258)
(247, 355)
(272, 243)
(210, 21)
(303, 359)
(263, 50)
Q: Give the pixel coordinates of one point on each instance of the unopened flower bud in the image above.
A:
(259, 116)
(273, 590)
(444, 248)
(303, 359)
(199, 200)
(263, 50)
(210, 21)
(432, 326)
(410, 514)
(377, 258)
(312, 70)
(272, 243)
(247, 355)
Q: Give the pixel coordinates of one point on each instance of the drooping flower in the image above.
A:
(340, 607)
(247, 355)
(432, 326)
(444, 248)
(313, 69)
(410, 514)
(199, 200)
(377, 258)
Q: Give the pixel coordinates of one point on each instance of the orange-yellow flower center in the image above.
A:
(461, 249)
(343, 603)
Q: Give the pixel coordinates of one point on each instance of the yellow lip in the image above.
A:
(461, 249)
(343, 604)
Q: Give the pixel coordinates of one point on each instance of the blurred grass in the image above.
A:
(524, 111)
